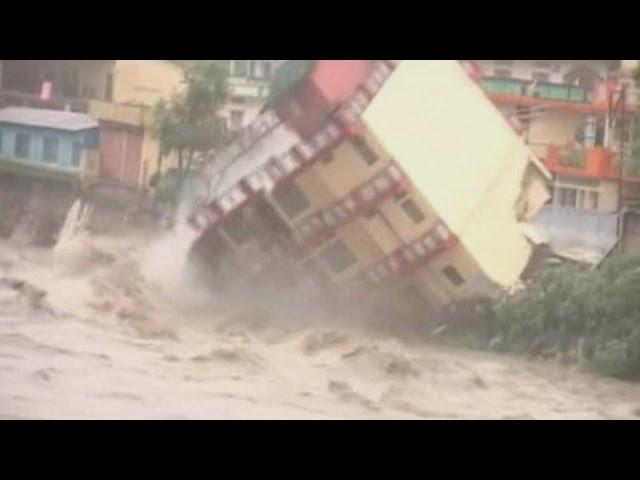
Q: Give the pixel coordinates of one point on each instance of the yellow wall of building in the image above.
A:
(402, 223)
(138, 116)
(348, 169)
(145, 82)
(359, 242)
(315, 190)
(461, 155)
(137, 86)
(377, 227)
(116, 113)
(92, 76)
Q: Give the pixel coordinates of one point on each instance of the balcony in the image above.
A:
(548, 91)
(593, 163)
(407, 259)
(269, 172)
(322, 225)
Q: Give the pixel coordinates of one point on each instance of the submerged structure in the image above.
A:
(394, 181)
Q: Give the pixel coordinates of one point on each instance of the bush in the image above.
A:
(570, 310)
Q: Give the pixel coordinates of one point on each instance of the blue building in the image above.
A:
(46, 142)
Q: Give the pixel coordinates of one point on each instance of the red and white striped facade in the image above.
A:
(321, 225)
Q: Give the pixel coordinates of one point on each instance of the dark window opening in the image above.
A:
(365, 151)
(338, 257)
(453, 276)
(412, 210)
(50, 150)
(291, 200)
(22, 145)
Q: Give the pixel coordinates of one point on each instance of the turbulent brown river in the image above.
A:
(106, 328)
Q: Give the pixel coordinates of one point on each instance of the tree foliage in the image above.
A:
(188, 122)
(571, 311)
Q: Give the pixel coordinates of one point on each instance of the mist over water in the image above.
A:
(120, 327)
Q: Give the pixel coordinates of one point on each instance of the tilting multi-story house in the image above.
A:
(377, 179)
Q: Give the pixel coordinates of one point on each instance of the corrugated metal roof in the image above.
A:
(581, 235)
(55, 119)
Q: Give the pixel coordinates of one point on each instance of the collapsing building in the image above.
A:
(394, 180)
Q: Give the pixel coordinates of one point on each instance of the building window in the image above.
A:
(76, 154)
(291, 200)
(241, 68)
(577, 198)
(338, 257)
(412, 210)
(365, 151)
(50, 150)
(22, 145)
(453, 276)
(235, 120)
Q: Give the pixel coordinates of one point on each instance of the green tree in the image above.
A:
(188, 122)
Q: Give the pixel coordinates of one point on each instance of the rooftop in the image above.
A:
(54, 119)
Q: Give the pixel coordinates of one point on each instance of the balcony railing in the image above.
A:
(407, 259)
(549, 91)
(594, 162)
(322, 225)
(274, 171)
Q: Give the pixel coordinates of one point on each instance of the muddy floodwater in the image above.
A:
(97, 332)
